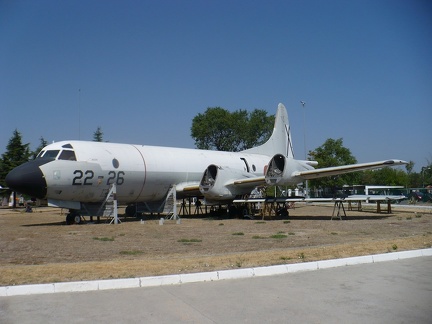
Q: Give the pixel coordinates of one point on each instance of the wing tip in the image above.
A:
(398, 162)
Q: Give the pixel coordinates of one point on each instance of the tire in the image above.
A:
(73, 218)
(232, 211)
(69, 219)
(282, 212)
(130, 211)
(77, 219)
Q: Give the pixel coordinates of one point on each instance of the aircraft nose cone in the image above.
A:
(28, 179)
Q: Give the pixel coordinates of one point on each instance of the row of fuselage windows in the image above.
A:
(64, 155)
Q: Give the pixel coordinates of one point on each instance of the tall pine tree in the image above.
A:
(16, 153)
(98, 135)
(42, 144)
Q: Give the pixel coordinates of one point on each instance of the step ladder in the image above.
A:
(109, 206)
(170, 207)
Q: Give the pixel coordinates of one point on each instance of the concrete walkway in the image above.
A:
(397, 291)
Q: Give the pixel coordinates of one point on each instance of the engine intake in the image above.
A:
(217, 183)
(275, 170)
(283, 171)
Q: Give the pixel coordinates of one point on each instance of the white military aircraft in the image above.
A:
(78, 174)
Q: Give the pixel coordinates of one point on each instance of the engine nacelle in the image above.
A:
(281, 170)
(216, 182)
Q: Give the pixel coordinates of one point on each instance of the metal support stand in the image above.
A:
(113, 194)
(110, 211)
(174, 193)
(339, 204)
(171, 202)
(198, 208)
(183, 210)
(388, 206)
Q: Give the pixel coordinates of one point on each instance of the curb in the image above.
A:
(80, 286)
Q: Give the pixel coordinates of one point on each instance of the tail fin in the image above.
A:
(280, 140)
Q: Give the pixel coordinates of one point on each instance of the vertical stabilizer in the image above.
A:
(280, 140)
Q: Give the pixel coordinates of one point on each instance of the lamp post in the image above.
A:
(304, 142)
(79, 114)
(304, 127)
(423, 169)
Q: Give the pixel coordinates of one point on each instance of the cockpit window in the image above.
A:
(51, 153)
(40, 154)
(67, 146)
(67, 155)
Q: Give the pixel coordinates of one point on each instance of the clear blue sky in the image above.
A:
(146, 68)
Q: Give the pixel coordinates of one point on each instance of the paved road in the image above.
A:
(386, 292)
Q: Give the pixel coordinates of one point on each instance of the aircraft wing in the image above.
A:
(374, 197)
(247, 182)
(321, 200)
(331, 171)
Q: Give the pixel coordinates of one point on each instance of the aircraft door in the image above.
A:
(127, 171)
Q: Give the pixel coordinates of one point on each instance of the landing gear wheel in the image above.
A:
(77, 219)
(245, 212)
(69, 219)
(283, 212)
(130, 211)
(232, 211)
(73, 218)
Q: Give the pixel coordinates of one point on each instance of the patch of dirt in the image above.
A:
(38, 247)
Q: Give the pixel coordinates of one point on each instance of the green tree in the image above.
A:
(385, 176)
(333, 153)
(426, 174)
(98, 135)
(409, 167)
(218, 129)
(259, 128)
(42, 144)
(415, 180)
(16, 153)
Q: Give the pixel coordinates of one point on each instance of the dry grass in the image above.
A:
(39, 248)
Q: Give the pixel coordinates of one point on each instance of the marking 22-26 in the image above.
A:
(86, 178)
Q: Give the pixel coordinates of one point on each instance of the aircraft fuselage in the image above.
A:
(141, 173)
